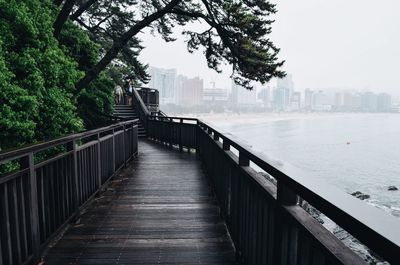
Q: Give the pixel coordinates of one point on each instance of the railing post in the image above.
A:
(198, 137)
(123, 144)
(99, 159)
(225, 145)
(28, 162)
(75, 183)
(113, 149)
(135, 138)
(180, 134)
(216, 137)
(171, 122)
(286, 236)
(243, 160)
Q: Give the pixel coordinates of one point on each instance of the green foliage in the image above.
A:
(96, 102)
(77, 43)
(36, 77)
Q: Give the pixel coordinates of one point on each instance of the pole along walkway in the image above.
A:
(159, 210)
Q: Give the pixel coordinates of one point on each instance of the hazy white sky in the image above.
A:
(337, 43)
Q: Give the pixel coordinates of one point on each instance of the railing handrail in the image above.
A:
(377, 229)
(40, 199)
(140, 101)
(372, 226)
(18, 152)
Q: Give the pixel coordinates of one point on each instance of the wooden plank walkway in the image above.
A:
(160, 210)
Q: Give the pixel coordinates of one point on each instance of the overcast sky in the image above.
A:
(326, 44)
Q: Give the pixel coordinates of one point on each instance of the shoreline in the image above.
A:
(253, 118)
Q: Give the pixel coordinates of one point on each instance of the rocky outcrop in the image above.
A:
(360, 195)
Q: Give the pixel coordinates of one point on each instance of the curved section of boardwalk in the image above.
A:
(160, 210)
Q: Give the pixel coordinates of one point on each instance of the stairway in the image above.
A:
(129, 113)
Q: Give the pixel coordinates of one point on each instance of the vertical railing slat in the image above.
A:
(5, 235)
(34, 214)
(14, 222)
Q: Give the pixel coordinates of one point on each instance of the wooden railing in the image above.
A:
(40, 198)
(265, 221)
(140, 108)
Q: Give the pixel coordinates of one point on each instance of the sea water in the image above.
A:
(354, 152)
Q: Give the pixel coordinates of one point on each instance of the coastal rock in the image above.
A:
(360, 195)
(316, 214)
(392, 188)
(268, 177)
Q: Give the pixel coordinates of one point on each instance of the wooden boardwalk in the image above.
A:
(160, 210)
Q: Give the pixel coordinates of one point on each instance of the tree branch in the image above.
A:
(121, 42)
(82, 9)
(62, 17)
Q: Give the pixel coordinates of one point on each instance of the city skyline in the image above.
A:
(176, 89)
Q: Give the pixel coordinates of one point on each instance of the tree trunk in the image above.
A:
(120, 43)
(58, 2)
(62, 17)
(82, 9)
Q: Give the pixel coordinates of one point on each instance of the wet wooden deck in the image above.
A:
(160, 210)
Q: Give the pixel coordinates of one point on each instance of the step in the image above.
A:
(128, 116)
(124, 111)
(123, 106)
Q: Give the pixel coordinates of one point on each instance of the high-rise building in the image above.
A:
(339, 100)
(321, 102)
(242, 96)
(164, 80)
(308, 99)
(347, 101)
(369, 102)
(295, 101)
(215, 96)
(356, 102)
(189, 91)
(283, 93)
(286, 82)
(384, 102)
(265, 96)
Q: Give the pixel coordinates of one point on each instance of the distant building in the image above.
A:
(369, 102)
(215, 96)
(295, 101)
(339, 101)
(280, 99)
(356, 102)
(384, 102)
(282, 94)
(321, 102)
(189, 91)
(347, 101)
(308, 99)
(242, 96)
(286, 82)
(164, 80)
(265, 96)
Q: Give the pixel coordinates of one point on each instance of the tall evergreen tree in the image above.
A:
(238, 33)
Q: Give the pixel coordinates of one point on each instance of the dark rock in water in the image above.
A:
(392, 188)
(360, 195)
